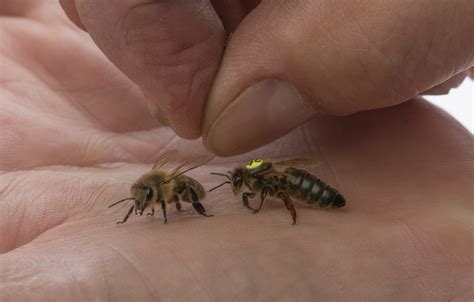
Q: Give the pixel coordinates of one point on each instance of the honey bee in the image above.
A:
(161, 186)
(261, 178)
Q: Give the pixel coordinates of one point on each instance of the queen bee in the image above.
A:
(262, 178)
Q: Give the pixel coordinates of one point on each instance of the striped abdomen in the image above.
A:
(309, 188)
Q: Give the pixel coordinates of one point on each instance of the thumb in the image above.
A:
(291, 60)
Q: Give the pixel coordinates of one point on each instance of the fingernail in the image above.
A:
(169, 117)
(157, 113)
(261, 114)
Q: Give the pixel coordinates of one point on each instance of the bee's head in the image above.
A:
(235, 179)
(143, 195)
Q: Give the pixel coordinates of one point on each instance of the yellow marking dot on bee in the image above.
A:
(254, 164)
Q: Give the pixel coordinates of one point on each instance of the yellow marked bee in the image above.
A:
(262, 178)
(162, 186)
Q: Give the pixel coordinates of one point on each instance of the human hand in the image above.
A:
(75, 134)
(311, 58)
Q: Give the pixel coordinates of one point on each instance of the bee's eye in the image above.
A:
(237, 179)
(149, 193)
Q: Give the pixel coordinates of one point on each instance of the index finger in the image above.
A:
(170, 49)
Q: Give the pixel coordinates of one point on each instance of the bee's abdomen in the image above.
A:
(309, 188)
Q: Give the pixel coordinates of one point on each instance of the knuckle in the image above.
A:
(161, 35)
(174, 50)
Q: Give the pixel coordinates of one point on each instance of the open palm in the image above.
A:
(75, 134)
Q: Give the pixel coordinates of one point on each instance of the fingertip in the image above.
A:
(190, 129)
(261, 114)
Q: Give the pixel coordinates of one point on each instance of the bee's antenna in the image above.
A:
(218, 186)
(115, 203)
(220, 174)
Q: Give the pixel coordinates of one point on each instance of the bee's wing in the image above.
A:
(297, 162)
(189, 164)
(166, 158)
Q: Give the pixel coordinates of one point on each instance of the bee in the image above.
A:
(161, 186)
(262, 178)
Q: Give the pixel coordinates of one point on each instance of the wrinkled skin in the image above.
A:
(75, 134)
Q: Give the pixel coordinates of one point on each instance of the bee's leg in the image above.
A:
(200, 209)
(163, 207)
(245, 199)
(175, 199)
(128, 215)
(152, 212)
(263, 196)
(195, 202)
(289, 205)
